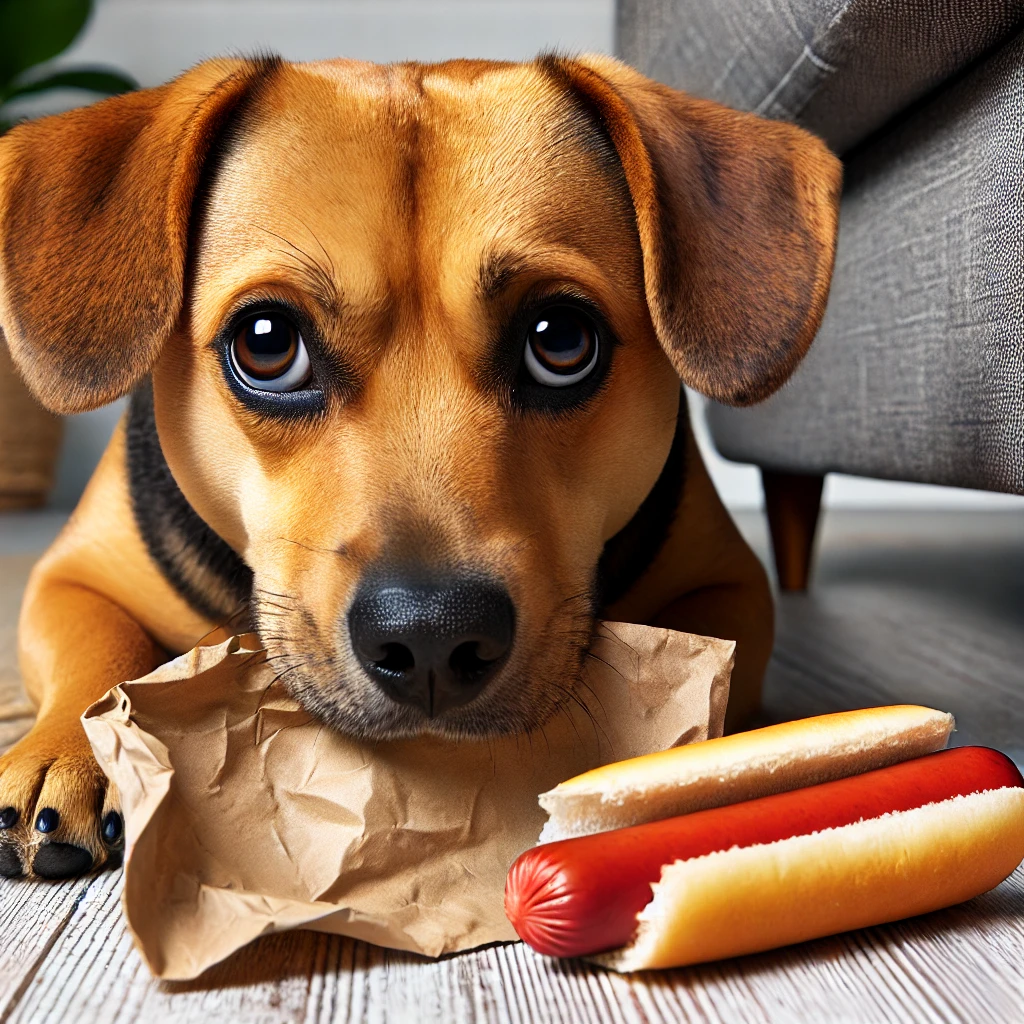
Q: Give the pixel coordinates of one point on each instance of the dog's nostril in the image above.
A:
(432, 643)
(466, 663)
(397, 658)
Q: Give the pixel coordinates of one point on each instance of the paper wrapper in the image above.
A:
(245, 816)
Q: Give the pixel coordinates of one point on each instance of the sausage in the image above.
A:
(581, 896)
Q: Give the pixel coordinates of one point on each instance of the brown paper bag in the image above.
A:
(246, 816)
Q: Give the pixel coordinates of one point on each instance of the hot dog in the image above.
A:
(930, 832)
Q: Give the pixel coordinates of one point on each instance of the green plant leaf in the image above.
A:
(100, 80)
(33, 31)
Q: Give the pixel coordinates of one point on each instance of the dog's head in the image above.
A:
(415, 336)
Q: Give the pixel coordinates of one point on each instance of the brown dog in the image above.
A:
(406, 346)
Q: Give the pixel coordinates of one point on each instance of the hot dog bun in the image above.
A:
(741, 767)
(749, 899)
(581, 896)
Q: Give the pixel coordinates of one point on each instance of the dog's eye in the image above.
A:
(561, 347)
(268, 353)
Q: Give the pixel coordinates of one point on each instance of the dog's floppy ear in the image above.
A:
(737, 218)
(94, 222)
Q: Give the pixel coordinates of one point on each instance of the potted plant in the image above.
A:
(32, 34)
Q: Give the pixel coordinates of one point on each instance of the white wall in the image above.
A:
(155, 39)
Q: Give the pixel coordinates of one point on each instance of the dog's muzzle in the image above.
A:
(433, 643)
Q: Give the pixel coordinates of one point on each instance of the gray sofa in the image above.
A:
(918, 370)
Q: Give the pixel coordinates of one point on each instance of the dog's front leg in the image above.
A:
(59, 816)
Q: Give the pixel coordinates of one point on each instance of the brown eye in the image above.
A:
(561, 347)
(268, 353)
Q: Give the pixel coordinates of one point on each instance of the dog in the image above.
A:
(405, 347)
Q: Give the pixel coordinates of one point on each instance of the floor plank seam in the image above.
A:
(30, 974)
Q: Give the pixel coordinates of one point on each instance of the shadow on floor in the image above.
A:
(981, 580)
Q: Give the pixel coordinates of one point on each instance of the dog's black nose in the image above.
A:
(433, 644)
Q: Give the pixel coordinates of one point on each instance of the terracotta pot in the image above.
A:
(29, 441)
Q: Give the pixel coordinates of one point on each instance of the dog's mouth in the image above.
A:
(377, 682)
(516, 700)
(455, 682)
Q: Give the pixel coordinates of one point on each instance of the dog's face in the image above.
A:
(442, 456)
(425, 359)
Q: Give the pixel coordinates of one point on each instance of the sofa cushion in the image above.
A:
(918, 370)
(838, 67)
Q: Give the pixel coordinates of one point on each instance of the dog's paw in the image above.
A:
(59, 817)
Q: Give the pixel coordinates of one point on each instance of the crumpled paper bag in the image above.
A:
(245, 816)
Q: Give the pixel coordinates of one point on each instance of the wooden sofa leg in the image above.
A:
(792, 501)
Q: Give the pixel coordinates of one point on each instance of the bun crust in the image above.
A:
(750, 899)
(741, 767)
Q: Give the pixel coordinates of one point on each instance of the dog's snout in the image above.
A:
(434, 644)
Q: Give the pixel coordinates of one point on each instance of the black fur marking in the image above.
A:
(197, 562)
(628, 554)
(586, 125)
(241, 121)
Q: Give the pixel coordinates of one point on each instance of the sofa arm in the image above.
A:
(837, 67)
(917, 372)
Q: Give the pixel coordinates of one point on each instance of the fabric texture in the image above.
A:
(918, 370)
(840, 68)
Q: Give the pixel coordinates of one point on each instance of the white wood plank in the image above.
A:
(963, 964)
(32, 917)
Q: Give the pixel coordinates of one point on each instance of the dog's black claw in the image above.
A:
(10, 865)
(48, 820)
(8, 817)
(61, 860)
(112, 828)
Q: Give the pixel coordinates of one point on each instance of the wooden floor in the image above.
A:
(905, 607)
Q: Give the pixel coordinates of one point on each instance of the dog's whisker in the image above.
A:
(514, 547)
(311, 547)
(273, 658)
(622, 643)
(287, 657)
(564, 710)
(321, 280)
(287, 666)
(271, 608)
(274, 593)
(280, 677)
(581, 704)
(316, 238)
(593, 693)
(544, 734)
(607, 664)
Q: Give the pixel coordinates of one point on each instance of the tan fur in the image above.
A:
(431, 201)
